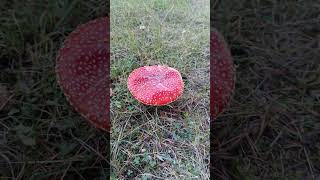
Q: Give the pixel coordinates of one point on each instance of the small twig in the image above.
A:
(6, 102)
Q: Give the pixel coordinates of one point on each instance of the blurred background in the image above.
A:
(272, 128)
(41, 136)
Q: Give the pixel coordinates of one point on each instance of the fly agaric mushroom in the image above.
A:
(222, 74)
(82, 71)
(155, 85)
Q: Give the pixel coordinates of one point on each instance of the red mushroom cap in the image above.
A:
(155, 85)
(222, 74)
(82, 71)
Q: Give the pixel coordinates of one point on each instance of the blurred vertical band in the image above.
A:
(41, 135)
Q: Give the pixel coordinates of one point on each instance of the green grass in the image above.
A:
(41, 136)
(160, 142)
(271, 130)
